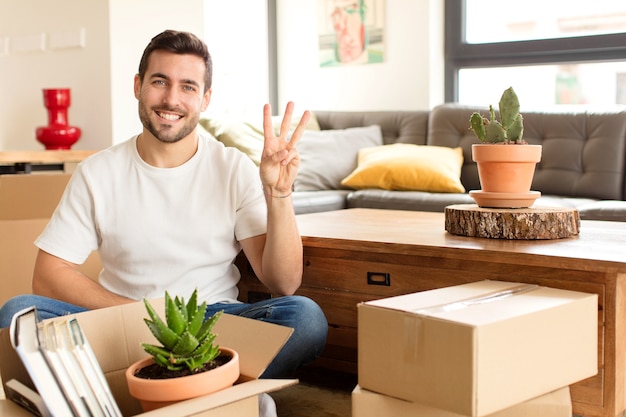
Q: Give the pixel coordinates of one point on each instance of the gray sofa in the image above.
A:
(583, 162)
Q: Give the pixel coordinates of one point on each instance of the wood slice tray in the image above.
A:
(521, 223)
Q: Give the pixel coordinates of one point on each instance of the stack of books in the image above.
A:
(62, 366)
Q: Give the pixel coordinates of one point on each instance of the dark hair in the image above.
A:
(179, 43)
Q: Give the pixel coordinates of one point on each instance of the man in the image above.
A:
(170, 210)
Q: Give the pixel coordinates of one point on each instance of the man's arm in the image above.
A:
(277, 256)
(59, 279)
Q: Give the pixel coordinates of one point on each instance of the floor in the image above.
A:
(320, 393)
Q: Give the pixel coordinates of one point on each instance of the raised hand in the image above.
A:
(280, 159)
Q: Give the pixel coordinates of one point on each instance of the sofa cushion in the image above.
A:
(583, 153)
(547, 200)
(405, 200)
(609, 210)
(588, 208)
(315, 201)
(397, 126)
(327, 156)
(408, 167)
(246, 135)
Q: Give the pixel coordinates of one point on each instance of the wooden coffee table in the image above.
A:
(357, 255)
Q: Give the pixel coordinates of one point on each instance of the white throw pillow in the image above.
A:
(328, 156)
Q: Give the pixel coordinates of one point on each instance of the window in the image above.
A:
(566, 54)
(242, 67)
(488, 21)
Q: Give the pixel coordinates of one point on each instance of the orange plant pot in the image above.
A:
(157, 393)
(506, 168)
(506, 173)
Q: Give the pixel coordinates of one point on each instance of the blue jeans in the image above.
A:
(301, 313)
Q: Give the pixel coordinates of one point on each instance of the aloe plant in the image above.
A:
(510, 127)
(186, 336)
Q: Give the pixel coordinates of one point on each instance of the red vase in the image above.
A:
(58, 134)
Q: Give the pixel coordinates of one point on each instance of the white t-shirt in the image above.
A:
(158, 229)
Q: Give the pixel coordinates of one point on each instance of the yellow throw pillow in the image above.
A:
(407, 167)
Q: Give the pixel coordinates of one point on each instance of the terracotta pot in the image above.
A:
(507, 170)
(157, 393)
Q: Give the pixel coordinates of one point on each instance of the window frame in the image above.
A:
(272, 51)
(459, 54)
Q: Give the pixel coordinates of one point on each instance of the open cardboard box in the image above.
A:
(115, 335)
(370, 404)
(26, 204)
(478, 348)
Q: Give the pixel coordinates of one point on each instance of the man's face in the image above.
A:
(171, 95)
(349, 29)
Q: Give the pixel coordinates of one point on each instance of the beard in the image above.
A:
(164, 132)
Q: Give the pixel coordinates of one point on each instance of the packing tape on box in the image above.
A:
(480, 299)
(412, 329)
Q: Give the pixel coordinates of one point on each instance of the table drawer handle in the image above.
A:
(379, 278)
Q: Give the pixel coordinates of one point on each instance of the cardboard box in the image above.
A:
(9, 408)
(26, 204)
(115, 335)
(477, 348)
(28, 196)
(17, 255)
(370, 404)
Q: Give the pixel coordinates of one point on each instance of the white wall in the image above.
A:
(410, 78)
(100, 74)
(132, 24)
(240, 57)
(24, 74)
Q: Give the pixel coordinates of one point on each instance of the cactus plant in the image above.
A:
(186, 335)
(505, 173)
(509, 129)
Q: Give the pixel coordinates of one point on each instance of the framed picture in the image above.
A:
(351, 32)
